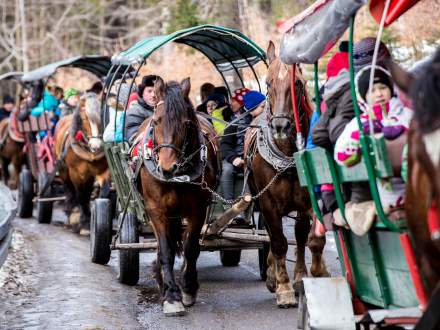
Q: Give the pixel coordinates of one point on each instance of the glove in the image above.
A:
(377, 126)
(392, 132)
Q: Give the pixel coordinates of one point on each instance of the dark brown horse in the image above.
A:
(423, 186)
(78, 147)
(180, 149)
(11, 149)
(286, 194)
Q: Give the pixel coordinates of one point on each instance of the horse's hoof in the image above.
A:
(174, 308)
(188, 300)
(84, 232)
(286, 299)
(271, 284)
(74, 218)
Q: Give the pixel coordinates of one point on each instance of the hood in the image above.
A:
(334, 84)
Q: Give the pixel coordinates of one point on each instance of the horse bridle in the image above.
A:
(182, 159)
(272, 116)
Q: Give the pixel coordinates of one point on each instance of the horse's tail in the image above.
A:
(176, 235)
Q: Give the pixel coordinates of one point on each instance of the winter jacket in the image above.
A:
(232, 143)
(47, 103)
(338, 114)
(218, 126)
(137, 113)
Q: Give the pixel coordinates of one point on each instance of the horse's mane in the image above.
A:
(177, 109)
(425, 94)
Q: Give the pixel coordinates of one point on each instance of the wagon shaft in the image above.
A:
(229, 214)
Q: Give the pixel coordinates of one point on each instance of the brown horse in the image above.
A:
(423, 186)
(286, 194)
(11, 149)
(179, 149)
(79, 150)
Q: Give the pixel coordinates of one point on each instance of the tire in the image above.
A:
(230, 258)
(44, 209)
(100, 231)
(129, 259)
(263, 252)
(25, 194)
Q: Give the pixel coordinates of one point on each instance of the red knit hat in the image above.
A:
(238, 94)
(338, 62)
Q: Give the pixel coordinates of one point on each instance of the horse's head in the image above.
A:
(278, 82)
(175, 125)
(91, 106)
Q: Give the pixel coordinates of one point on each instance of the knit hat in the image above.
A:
(363, 52)
(70, 92)
(8, 99)
(217, 98)
(239, 94)
(380, 76)
(338, 62)
(252, 100)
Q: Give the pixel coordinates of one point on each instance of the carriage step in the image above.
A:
(49, 199)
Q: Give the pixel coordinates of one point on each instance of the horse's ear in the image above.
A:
(159, 88)
(271, 52)
(186, 87)
(402, 78)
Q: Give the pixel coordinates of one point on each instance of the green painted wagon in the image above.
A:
(229, 51)
(382, 284)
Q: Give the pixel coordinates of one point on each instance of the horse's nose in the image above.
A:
(281, 127)
(167, 173)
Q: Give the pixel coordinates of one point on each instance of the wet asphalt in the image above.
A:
(49, 282)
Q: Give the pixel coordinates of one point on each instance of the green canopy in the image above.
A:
(227, 49)
(95, 64)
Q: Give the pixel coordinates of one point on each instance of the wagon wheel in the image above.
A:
(263, 252)
(230, 258)
(100, 231)
(25, 194)
(129, 259)
(44, 209)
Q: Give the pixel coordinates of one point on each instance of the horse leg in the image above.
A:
(302, 229)
(84, 205)
(17, 161)
(316, 246)
(166, 252)
(191, 249)
(277, 259)
(5, 170)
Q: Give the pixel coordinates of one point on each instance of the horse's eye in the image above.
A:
(268, 85)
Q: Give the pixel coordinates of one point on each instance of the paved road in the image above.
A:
(48, 282)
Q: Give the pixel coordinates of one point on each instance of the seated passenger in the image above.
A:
(113, 130)
(205, 90)
(215, 106)
(142, 108)
(8, 106)
(49, 102)
(232, 143)
(390, 118)
(70, 102)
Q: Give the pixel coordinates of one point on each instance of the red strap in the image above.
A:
(293, 94)
(433, 221)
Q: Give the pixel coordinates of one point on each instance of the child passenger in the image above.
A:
(389, 117)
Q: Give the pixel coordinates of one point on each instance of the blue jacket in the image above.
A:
(47, 103)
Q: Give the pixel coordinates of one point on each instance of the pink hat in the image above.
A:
(238, 94)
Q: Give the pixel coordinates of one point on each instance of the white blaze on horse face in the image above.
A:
(93, 112)
(283, 72)
(432, 146)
